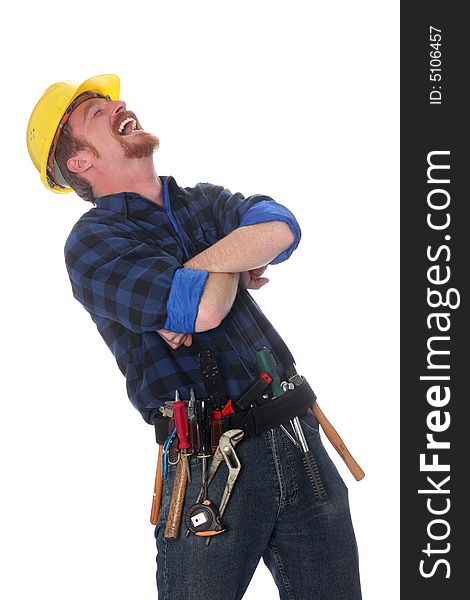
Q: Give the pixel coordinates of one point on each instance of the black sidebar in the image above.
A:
(435, 301)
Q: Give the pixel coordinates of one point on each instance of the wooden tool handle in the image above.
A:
(337, 442)
(157, 489)
(177, 500)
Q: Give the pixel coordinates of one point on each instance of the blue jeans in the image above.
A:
(309, 546)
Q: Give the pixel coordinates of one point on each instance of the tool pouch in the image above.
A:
(164, 425)
(161, 429)
(275, 412)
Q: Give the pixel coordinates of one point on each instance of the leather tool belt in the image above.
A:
(255, 420)
(272, 412)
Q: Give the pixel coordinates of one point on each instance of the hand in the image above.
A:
(252, 280)
(175, 340)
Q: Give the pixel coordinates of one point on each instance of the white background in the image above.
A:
(298, 101)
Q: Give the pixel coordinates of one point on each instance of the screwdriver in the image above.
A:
(181, 422)
(203, 422)
(266, 362)
(200, 413)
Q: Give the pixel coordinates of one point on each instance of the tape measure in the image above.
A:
(203, 519)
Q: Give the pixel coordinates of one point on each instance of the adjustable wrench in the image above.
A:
(226, 450)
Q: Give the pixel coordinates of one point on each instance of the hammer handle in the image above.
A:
(177, 500)
(337, 442)
(157, 489)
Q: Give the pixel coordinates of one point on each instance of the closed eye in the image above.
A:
(97, 113)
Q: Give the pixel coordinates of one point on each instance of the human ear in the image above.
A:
(79, 163)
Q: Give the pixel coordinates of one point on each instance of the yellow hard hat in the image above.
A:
(49, 116)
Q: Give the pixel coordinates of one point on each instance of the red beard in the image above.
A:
(143, 144)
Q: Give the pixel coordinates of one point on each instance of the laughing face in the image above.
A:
(113, 131)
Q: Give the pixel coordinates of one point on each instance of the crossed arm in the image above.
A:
(240, 258)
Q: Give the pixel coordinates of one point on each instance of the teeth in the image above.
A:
(125, 122)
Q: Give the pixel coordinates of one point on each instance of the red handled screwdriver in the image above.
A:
(181, 423)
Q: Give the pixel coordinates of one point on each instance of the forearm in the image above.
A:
(216, 301)
(245, 248)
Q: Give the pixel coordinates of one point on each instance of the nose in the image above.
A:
(118, 106)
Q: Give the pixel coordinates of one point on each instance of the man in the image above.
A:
(163, 272)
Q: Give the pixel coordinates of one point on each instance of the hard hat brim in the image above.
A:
(107, 85)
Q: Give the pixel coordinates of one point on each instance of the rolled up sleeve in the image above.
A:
(183, 301)
(228, 209)
(265, 211)
(116, 276)
(232, 210)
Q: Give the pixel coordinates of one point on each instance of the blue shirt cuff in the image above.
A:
(269, 210)
(182, 305)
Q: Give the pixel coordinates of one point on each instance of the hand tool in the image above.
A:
(287, 386)
(192, 420)
(337, 443)
(167, 409)
(226, 447)
(203, 424)
(267, 363)
(201, 518)
(182, 472)
(294, 441)
(212, 380)
(166, 451)
(177, 500)
(191, 402)
(309, 462)
(253, 392)
(227, 450)
(217, 415)
(166, 412)
(181, 424)
(157, 489)
(332, 434)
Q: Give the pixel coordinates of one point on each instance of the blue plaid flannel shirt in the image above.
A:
(125, 262)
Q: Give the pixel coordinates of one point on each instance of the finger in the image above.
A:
(259, 271)
(168, 336)
(172, 345)
(256, 284)
(165, 333)
(174, 340)
(179, 339)
(189, 340)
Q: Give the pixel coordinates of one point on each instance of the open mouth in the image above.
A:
(128, 125)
